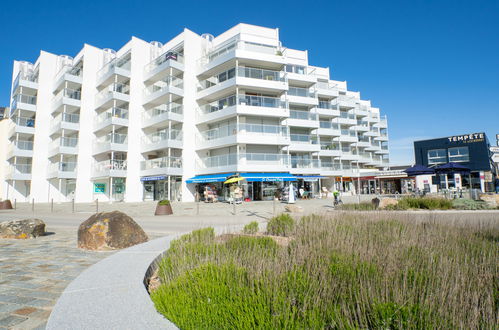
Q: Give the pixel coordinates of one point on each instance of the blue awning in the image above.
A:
(309, 178)
(268, 177)
(153, 178)
(209, 178)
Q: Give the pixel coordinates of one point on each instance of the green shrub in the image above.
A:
(164, 202)
(281, 225)
(425, 203)
(364, 206)
(469, 204)
(248, 245)
(251, 228)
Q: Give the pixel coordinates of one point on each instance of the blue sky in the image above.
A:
(431, 66)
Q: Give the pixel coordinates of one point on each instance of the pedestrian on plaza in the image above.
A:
(497, 184)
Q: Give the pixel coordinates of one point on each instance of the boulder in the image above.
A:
(387, 201)
(293, 208)
(492, 200)
(109, 231)
(6, 205)
(22, 229)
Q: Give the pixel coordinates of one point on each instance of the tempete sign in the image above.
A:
(468, 138)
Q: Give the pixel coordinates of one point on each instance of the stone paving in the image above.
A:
(33, 274)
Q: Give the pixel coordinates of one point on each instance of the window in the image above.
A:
(437, 156)
(459, 154)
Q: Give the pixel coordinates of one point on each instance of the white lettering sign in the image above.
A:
(474, 137)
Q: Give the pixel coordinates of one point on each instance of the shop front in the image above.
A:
(162, 187)
(265, 186)
(211, 188)
(310, 184)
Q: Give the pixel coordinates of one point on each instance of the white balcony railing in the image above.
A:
(168, 56)
(24, 121)
(163, 162)
(112, 113)
(164, 135)
(162, 109)
(123, 62)
(110, 165)
(242, 45)
(304, 163)
(63, 167)
(304, 115)
(303, 138)
(115, 87)
(24, 145)
(164, 84)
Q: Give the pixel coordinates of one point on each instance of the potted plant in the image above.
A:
(164, 207)
(6, 205)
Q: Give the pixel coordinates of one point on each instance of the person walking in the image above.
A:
(497, 184)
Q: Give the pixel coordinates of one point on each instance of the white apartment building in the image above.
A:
(153, 121)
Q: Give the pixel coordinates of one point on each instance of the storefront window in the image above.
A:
(437, 156)
(459, 154)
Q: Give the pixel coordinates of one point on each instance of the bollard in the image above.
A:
(52, 205)
(97, 205)
(73, 205)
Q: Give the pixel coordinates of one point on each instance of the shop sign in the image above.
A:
(467, 138)
(494, 149)
(99, 188)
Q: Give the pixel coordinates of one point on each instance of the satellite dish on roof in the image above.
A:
(208, 37)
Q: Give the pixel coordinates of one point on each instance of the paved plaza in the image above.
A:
(34, 272)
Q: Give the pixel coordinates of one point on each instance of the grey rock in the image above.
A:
(22, 229)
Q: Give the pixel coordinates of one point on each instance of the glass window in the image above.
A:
(231, 73)
(437, 156)
(459, 154)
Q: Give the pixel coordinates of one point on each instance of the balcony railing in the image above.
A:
(113, 113)
(260, 158)
(219, 132)
(115, 87)
(163, 162)
(24, 145)
(330, 166)
(305, 115)
(69, 69)
(329, 125)
(347, 132)
(23, 98)
(68, 92)
(24, 121)
(325, 85)
(63, 166)
(22, 168)
(304, 163)
(247, 72)
(327, 105)
(117, 138)
(219, 161)
(168, 56)
(164, 84)
(303, 138)
(29, 76)
(123, 62)
(163, 135)
(347, 115)
(248, 100)
(164, 108)
(329, 146)
(264, 129)
(64, 141)
(110, 165)
(237, 44)
(298, 91)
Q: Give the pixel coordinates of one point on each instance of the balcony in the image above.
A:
(364, 157)
(159, 116)
(347, 102)
(327, 128)
(346, 119)
(302, 96)
(304, 142)
(160, 92)
(347, 136)
(363, 142)
(116, 91)
(362, 111)
(109, 168)
(261, 106)
(70, 74)
(156, 69)
(383, 123)
(329, 149)
(26, 80)
(23, 102)
(18, 172)
(20, 148)
(24, 125)
(383, 150)
(64, 145)
(330, 168)
(161, 166)
(246, 162)
(383, 136)
(362, 126)
(259, 80)
(119, 66)
(244, 134)
(327, 89)
(327, 109)
(62, 170)
(66, 121)
(304, 165)
(67, 97)
(303, 119)
(111, 142)
(252, 53)
(113, 117)
(162, 140)
(349, 154)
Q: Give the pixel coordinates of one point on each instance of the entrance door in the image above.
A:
(149, 191)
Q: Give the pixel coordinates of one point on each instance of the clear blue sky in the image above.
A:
(431, 66)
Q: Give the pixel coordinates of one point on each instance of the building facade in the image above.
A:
(153, 121)
(469, 150)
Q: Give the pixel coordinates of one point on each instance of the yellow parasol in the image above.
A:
(232, 180)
